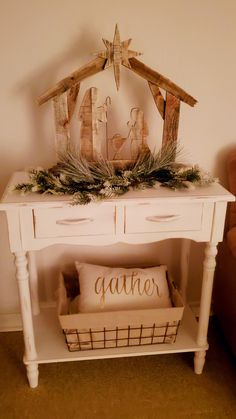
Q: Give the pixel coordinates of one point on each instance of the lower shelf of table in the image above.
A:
(51, 346)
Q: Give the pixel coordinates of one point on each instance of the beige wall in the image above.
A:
(191, 42)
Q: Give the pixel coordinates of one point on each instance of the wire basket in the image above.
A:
(79, 340)
(117, 329)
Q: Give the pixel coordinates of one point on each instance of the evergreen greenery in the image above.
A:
(93, 181)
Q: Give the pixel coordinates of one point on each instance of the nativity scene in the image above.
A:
(109, 165)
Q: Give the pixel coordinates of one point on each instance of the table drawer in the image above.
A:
(74, 221)
(151, 218)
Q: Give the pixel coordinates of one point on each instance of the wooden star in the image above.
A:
(117, 53)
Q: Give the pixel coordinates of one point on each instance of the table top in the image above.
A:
(212, 193)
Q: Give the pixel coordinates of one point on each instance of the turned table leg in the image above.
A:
(22, 277)
(33, 282)
(184, 265)
(205, 306)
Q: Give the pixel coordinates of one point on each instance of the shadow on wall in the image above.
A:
(8, 285)
(41, 143)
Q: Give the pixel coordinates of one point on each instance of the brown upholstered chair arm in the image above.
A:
(231, 240)
(231, 174)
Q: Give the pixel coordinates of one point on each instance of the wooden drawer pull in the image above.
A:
(74, 221)
(162, 218)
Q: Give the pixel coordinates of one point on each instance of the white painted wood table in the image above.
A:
(37, 221)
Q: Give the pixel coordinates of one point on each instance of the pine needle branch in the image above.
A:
(95, 181)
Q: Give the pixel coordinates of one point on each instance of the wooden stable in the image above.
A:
(166, 94)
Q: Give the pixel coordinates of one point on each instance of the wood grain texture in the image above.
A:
(156, 78)
(93, 67)
(92, 117)
(117, 53)
(138, 132)
(158, 98)
(171, 121)
(72, 95)
(61, 122)
(86, 129)
(117, 56)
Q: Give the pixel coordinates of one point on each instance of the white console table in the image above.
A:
(37, 221)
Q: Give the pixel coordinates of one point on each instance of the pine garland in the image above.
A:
(93, 181)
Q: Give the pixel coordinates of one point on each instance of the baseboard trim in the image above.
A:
(10, 322)
(195, 307)
(13, 322)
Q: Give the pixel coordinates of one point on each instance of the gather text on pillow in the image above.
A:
(129, 284)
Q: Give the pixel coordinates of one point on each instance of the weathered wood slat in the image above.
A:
(93, 67)
(171, 121)
(156, 78)
(91, 116)
(138, 132)
(117, 56)
(117, 53)
(61, 122)
(72, 94)
(158, 98)
(86, 132)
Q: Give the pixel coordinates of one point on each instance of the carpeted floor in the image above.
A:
(151, 387)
